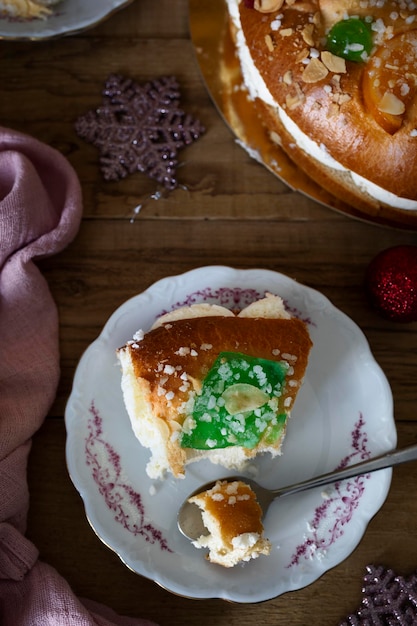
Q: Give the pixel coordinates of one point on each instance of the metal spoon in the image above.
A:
(190, 522)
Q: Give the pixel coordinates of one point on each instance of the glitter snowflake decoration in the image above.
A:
(388, 600)
(139, 128)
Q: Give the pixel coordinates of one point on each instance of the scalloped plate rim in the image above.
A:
(110, 535)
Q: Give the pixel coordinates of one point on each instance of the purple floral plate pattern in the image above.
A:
(119, 496)
(339, 503)
(107, 473)
(343, 414)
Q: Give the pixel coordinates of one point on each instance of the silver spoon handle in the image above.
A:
(388, 459)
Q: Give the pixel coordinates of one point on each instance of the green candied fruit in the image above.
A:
(238, 404)
(350, 39)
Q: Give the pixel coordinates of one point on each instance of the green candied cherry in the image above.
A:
(351, 39)
(238, 404)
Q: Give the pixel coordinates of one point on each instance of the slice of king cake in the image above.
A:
(206, 383)
(233, 519)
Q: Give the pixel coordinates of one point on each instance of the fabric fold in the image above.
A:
(18, 553)
(40, 214)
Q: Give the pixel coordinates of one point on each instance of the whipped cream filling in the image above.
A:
(257, 88)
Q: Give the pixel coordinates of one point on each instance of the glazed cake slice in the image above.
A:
(205, 383)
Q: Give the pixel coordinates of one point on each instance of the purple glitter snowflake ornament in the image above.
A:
(388, 599)
(139, 128)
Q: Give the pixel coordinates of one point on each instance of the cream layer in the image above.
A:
(257, 88)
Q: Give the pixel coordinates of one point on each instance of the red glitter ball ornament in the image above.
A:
(391, 281)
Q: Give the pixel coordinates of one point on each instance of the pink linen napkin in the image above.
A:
(40, 213)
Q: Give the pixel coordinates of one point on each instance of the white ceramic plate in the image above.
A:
(69, 17)
(342, 414)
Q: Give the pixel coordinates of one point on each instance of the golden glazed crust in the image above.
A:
(188, 348)
(336, 111)
(167, 366)
(233, 518)
(236, 510)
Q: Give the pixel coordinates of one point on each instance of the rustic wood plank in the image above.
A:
(112, 260)
(140, 19)
(228, 210)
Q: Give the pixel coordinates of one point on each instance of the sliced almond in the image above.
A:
(344, 97)
(307, 34)
(294, 101)
(334, 110)
(389, 103)
(314, 71)
(316, 19)
(303, 54)
(332, 11)
(333, 63)
(268, 6)
(269, 43)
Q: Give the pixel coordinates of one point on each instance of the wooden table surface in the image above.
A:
(232, 212)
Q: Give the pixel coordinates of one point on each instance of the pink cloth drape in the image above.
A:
(40, 213)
